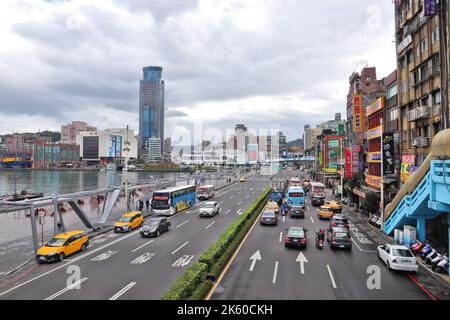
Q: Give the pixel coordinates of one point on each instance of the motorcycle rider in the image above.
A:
(320, 235)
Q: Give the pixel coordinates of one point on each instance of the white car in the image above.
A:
(209, 209)
(397, 257)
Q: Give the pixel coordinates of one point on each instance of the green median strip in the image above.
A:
(194, 284)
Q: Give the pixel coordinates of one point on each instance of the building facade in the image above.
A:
(151, 107)
(55, 155)
(69, 131)
(154, 149)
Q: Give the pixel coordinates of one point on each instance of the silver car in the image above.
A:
(209, 209)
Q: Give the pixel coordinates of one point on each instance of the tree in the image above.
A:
(355, 182)
(370, 203)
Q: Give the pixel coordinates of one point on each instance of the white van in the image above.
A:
(205, 192)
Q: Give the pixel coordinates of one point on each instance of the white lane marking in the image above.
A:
(143, 245)
(182, 261)
(73, 260)
(284, 218)
(256, 256)
(227, 211)
(362, 250)
(239, 202)
(247, 197)
(143, 258)
(180, 247)
(121, 292)
(209, 225)
(231, 197)
(105, 255)
(220, 203)
(281, 236)
(275, 271)
(308, 208)
(312, 220)
(97, 241)
(60, 292)
(112, 235)
(331, 277)
(182, 224)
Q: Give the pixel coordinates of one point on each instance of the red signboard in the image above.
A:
(357, 113)
(355, 158)
(348, 163)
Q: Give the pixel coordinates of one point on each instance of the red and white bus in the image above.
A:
(205, 192)
(295, 182)
(317, 189)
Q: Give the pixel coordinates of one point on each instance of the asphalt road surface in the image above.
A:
(126, 266)
(327, 274)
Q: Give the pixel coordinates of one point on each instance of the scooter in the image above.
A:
(430, 256)
(319, 244)
(434, 258)
(425, 251)
(442, 267)
(416, 247)
(437, 260)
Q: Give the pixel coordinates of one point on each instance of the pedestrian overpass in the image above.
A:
(426, 193)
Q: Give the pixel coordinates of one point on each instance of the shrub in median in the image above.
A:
(187, 283)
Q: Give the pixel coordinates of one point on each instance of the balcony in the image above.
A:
(418, 113)
(436, 110)
(421, 142)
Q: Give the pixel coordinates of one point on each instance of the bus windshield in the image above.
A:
(160, 200)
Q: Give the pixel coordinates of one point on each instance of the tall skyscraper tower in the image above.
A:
(151, 106)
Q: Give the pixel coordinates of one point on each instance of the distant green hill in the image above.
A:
(295, 143)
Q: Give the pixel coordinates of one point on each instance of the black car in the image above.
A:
(295, 237)
(297, 212)
(339, 238)
(317, 201)
(154, 227)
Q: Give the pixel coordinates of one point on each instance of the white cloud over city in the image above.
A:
(265, 63)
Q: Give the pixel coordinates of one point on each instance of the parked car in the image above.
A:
(338, 220)
(242, 179)
(325, 212)
(129, 221)
(268, 218)
(209, 209)
(63, 245)
(334, 205)
(339, 238)
(296, 237)
(154, 227)
(297, 212)
(397, 257)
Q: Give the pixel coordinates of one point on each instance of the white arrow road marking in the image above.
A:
(239, 212)
(331, 277)
(180, 247)
(228, 211)
(255, 257)
(143, 245)
(302, 259)
(183, 261)
(104, 256)
(143, 258)
(182, 224)
(275, 271)
(121, 292)
(209, 225)
(281, 236)
(239, 203)
(75, 284)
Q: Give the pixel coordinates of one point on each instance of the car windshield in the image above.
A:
(402, 253)
(341, 235)
(325, 209)
(296, 233)
(268, 214)
(55, 242)
(125, 219)
(208, 205)
(152, 222)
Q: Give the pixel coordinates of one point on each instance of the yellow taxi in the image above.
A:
(129, 221)
(325, 212)
(334, 205)
(242, 179)
(63, 245)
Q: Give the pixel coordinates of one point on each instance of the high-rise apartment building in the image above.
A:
(151, 107)
(69, 131)
(419, 78)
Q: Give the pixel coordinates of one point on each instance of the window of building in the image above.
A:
(404, 86)
(392, 91)
(424, 44)
(435, 35)
(437, 97)
(409, 57)
(393, 114)
(402, 63)
(424, 101)
(418, 51)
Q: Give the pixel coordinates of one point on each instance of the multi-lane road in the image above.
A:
(265, 269)
(126, 266)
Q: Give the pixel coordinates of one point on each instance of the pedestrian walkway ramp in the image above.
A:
(426, 193)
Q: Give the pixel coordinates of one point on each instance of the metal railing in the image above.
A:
(418, 113)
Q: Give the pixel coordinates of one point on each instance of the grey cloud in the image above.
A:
(175, 114)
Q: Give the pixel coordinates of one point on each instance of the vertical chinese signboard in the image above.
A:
(388, 153)
(355, 158)
(348, 163)
(357, 113)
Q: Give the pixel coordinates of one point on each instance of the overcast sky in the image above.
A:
(271, 64)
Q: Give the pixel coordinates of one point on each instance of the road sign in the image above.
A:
(255, 257)
(302, 259)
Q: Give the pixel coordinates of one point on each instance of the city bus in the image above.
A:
(317, 189)
(173, 200)
(205, 192)
(295, 182)
(295, 196)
